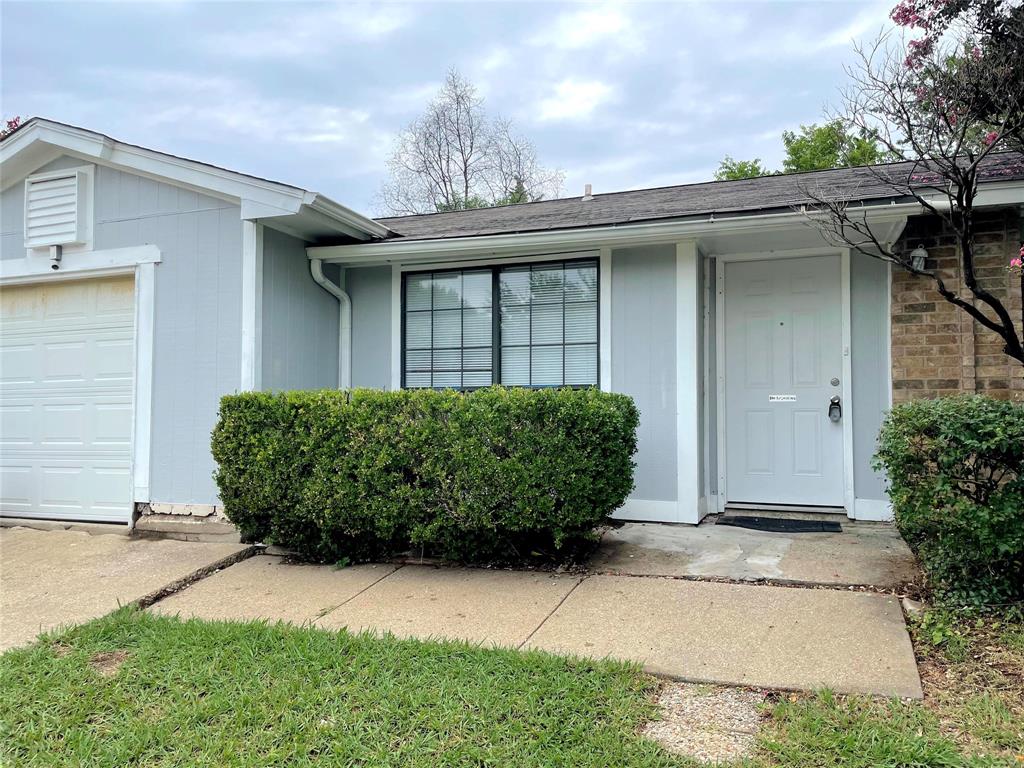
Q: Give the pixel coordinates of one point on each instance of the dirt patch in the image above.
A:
(708, 723)
(107, 663)
(988, 666)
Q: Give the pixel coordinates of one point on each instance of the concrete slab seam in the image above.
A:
(357, 594)
(900, 589)
(552, 612)
(197, 575)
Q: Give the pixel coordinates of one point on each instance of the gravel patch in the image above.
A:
(708, 723)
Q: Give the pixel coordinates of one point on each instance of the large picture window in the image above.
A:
(532, 325)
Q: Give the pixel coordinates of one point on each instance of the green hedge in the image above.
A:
(493, 475)
(956, 473)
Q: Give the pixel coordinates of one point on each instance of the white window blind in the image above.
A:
(53, 210)
(546, 334)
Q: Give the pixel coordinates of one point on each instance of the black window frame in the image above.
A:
(496, 347)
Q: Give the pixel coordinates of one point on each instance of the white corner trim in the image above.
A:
(690, 507)
(719, 373)
(879, 510)
(604, 352)
(145, 322)
(648, 510)
(252, 306)
(847, 388)
(396, 327)
(36, 266)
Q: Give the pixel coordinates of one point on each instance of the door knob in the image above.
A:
(835, 408)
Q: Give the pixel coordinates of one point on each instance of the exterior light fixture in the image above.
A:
(918, 257)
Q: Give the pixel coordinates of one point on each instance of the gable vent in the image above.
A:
(53, 210)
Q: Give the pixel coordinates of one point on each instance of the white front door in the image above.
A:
(67, 361)
(783, 365)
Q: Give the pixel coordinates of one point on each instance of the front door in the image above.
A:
(783, 366)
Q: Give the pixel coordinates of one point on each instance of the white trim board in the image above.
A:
(878, 510)
(648, 510)
(36, 140)
(37, 266)
(691, 504)
(585, 238)
(251, 374)
(140, 262)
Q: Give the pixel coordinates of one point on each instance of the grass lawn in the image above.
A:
(137, 689)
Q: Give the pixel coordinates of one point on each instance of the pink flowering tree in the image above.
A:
(945, 95)
(10, 125)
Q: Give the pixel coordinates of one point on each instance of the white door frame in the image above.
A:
(140, 262)
(847, 384)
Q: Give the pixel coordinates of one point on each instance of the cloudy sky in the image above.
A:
(621, 96)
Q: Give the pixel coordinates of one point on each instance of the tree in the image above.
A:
(10, 126)
(731, 170)
(814, 148)
(944, 102)
(820, 147)
(455, 157)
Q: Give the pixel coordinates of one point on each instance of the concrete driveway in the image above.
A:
(50, 578)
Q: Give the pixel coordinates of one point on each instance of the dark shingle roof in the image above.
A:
(747, 196)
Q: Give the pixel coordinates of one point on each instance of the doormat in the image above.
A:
(780, 524)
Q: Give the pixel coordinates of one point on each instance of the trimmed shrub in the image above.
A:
(956, 474)
(493, 475)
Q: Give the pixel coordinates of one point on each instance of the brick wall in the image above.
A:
(938, 349)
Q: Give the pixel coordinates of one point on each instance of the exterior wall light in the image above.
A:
(918, 256)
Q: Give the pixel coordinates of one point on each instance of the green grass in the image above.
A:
(249, 694)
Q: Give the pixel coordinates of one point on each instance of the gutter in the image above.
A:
(585, 237)
(316, 269)
(339, 212)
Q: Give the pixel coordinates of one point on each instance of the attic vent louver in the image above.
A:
(53, 210)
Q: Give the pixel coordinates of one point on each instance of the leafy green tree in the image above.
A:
(832, 145)
(731, 170)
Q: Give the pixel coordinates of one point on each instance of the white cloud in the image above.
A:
(306, 30)
(609, 27)
(183, 107)
(574, 99)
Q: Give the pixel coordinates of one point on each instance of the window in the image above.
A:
(527, 325)
(56, 209)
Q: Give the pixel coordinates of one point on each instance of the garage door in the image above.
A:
(66, 369)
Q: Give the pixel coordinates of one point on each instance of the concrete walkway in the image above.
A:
(778, 637)
(864, 554)
(51, 578)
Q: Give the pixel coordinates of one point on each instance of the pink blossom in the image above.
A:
(990, 138)
(1017, 262)
(976, 53)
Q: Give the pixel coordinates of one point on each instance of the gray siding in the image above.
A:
(370, 291)
(644, 362)
(197, 344)
(300, 319)
(869, 287)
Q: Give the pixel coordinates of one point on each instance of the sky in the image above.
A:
(621, 96)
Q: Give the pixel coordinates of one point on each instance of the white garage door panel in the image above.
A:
(66, 361)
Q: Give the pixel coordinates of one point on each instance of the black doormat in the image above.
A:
(780, 524)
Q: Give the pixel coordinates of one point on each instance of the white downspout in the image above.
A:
(316, 269)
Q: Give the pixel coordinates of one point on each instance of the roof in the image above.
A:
(302, 212)
(726, 198)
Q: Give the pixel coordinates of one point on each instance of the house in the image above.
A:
(138, 287)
